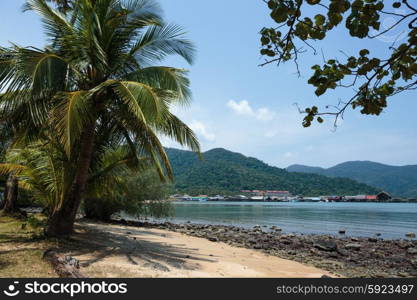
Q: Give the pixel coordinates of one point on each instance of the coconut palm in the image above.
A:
(98, 80)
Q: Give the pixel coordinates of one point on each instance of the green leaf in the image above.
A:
(364, 52)
(396, 4)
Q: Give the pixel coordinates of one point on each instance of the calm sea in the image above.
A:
(391, 220)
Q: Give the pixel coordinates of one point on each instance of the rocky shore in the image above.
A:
(346, 256)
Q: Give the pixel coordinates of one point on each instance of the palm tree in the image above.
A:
(98, 80)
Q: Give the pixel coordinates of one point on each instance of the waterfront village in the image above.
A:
(286, 196)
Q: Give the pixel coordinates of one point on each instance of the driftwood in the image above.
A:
(65, 266)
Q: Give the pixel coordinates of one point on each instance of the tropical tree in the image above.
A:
(138, 194)
(97, 81)
(373, 79)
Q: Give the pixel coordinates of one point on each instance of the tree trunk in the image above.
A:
(3, 198)
(61, 222)
(11, 194)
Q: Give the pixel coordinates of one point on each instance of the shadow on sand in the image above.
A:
(98, 241)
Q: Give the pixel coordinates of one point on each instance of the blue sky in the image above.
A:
(248, 109)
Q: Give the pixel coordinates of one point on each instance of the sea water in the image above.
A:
(389, 220)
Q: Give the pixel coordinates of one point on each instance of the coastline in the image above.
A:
(121, 248)
(385, 220)
(116, 250)
(346, 256)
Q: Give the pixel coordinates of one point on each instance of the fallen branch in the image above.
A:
(65, 266)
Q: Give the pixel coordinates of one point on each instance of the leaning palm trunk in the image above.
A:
(61, 222)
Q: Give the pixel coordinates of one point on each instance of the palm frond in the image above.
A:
(55, 23)
(141, 100)
(157, 42)
(165, 78)
(8, 168)
(70, 115)
(172, 127)
(148, 144)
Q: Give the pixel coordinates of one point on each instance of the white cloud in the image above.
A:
(200, 129)
(243, 108)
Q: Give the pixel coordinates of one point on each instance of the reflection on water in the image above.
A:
(391, 220)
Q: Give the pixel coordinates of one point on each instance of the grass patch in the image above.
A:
(24, 263)
(21, 248)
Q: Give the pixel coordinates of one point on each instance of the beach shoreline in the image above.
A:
(346, 256)
(121, 248)
(116, 250)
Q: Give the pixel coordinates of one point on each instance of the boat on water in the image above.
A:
(217, 198)
(200, 198)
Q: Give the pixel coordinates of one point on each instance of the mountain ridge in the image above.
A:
(223, 172)
(398, 180)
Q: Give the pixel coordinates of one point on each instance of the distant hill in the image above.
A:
(225, 172)
(399, 181)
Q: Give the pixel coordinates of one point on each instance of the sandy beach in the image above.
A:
(139, 249)
(120, 251)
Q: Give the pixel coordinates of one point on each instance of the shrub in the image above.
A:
(139, 195)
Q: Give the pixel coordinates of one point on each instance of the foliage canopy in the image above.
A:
(301, 23)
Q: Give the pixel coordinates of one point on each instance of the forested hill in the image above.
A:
(225, 172)
(397, 180)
